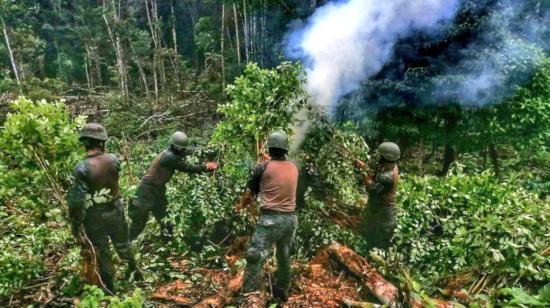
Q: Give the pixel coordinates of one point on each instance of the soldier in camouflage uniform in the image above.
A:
(95, 205)
(378, 222)
(151, 193)
(276, 182)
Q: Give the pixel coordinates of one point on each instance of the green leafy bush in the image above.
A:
(39, 144)
(472, 223)
(94, 297)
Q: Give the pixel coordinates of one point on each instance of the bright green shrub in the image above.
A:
(39, 143)
(40, 146)
(472, 223)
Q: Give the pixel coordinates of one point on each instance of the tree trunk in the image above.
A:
(227, 295)
(420, 157)
(155, 44)
(493, 153)
(384, 291)
(117, 45)
(238, 40)
(10, 52)
(449, 156)
(141, 71)
(246, 33)
(87, 71)
(222, 49)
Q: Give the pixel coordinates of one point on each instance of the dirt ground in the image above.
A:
(319, 283)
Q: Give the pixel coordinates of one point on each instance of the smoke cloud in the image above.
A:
(511, 45)
(345, 42)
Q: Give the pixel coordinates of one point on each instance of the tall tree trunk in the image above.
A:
(449, 154)
(117, 45)
(238, 40)
(222, 48)
(493, 153)
(421, 157)
(87, 71)
(10, 52)
(141, 71)
(174, 33)
(156, 46)
(246, 33)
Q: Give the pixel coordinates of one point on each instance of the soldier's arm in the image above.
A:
(381, 183)
(254, 180)
(76, 198)
(180, 164)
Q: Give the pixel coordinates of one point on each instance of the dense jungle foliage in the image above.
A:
(474, 207)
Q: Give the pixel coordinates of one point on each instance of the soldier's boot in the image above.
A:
(134, 272)
(106, 270)
(126, 252)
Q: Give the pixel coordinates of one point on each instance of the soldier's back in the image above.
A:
(103, 173)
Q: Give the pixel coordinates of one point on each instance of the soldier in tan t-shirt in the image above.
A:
(276, 182)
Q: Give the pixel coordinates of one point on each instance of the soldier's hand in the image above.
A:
(211, 165)
(360, 164)
(369, 180)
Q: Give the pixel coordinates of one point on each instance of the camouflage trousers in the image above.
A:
(150, 199)
(104, 223)
(273, 229)
(378, 225)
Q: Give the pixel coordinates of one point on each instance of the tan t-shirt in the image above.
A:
(278, 186)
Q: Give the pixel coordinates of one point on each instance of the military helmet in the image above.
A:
(389, 150)
(94, 131)
(179, 140)
(278, 140)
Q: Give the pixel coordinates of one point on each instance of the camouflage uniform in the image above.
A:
(151, 193)
(95, 204)
(379, 215)
(276, 227)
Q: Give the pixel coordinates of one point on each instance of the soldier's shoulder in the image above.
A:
(294, 163)
(167, 157)
(386, 176)
(112, 157)
(81, 168)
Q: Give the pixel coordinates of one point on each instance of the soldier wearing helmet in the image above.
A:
(276, 182)
(95, 205)
(378, 222)
(151, 193)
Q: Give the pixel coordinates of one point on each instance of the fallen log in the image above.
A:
(356, 304)
(170, 293)
(431, 303)
(384, 291)
(226, 295)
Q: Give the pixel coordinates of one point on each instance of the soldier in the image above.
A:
(379, 215)
(151, 193)
(276, 182)
(95, 205)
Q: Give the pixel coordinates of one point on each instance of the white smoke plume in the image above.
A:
(345, 42)
(511, 46)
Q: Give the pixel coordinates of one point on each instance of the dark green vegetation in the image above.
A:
(474, 203)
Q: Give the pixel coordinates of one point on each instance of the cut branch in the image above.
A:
(384, 291)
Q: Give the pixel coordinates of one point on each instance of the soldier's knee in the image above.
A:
(253, 255)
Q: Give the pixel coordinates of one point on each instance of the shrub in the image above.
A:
(472, 223)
